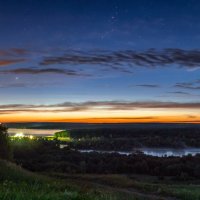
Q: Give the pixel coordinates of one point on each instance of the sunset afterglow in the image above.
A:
(76, 61)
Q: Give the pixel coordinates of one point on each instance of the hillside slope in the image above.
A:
(19, 184)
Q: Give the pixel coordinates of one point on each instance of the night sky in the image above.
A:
(100, 60)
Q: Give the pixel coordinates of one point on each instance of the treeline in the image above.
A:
(135, 132)
(46, 156)
(129, 138)
(5, 148)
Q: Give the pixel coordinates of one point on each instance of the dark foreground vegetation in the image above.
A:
(43, 155)
(70, 174)
(129, 138)
(17, 183)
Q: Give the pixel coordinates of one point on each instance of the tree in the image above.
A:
(62, 134)
(5, 149)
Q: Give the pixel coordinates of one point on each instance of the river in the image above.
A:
(158, 152)
(36, 132)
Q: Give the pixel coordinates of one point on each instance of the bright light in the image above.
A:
(31, 137)
(19, 135)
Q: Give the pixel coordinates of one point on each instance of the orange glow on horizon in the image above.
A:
(157, 119)
(107, 116)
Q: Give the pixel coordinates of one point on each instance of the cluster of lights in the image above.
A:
(21, 135)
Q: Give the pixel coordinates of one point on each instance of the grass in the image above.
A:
(189, 192)
(144, 185)
(19, 184)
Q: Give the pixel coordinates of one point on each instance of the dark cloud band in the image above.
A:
(195, 85)
(100, 105)
(42, 71)
(148, 58)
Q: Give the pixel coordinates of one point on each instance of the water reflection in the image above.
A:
(38, 132)
(158, 152)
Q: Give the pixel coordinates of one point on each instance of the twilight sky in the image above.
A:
(100, 60)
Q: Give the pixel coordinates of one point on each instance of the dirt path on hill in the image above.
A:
(128, 191)
(135, 193)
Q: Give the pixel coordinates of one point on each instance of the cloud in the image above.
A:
(191, 116)
(118, 118)
(195, 85)
(147, 58)
(148, 85)
(124, 61)
(10, 85)
(187, 86)
(180, 92)
(35, 71)
(12, 56)
(5, 113)
(11, 61)
(14, 52)
(99, 105)
(26, 84)
(19, 51)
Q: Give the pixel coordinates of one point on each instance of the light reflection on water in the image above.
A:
(39, 132)
(158, 152)
(170, 152)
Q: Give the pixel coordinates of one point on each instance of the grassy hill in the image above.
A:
(140, 186)
(19, 184)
